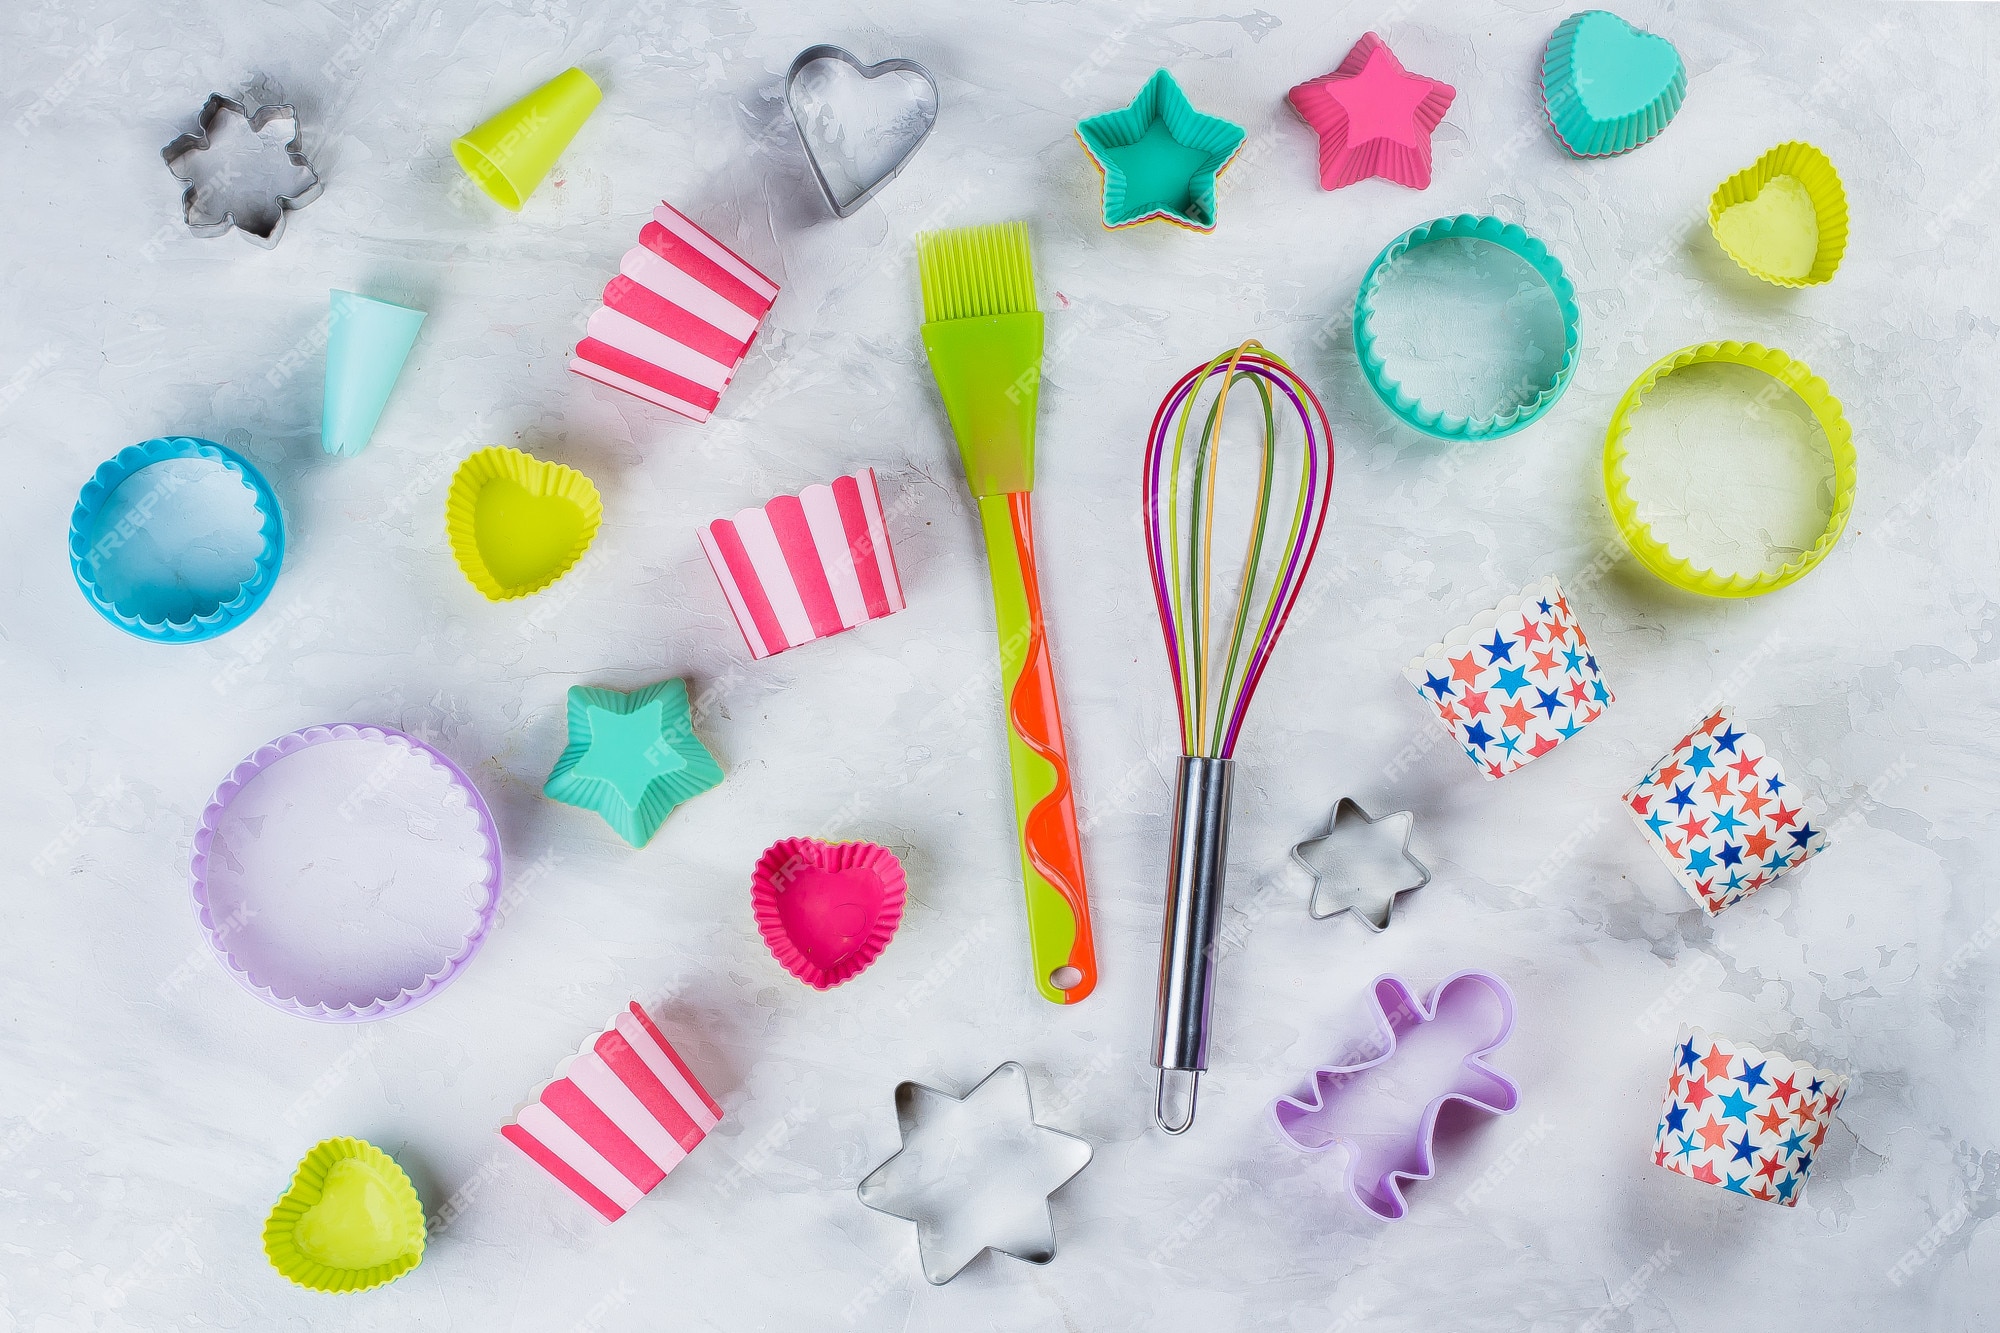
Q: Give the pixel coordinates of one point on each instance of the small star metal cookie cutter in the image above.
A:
(197, 141)
(1350, 896)
(944, 1157)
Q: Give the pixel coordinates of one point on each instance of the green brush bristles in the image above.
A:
(973, 271)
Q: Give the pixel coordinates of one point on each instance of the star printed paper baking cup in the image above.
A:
(1514, 682)
(1742, 1119)
(1783, 218)
(1721, 816)
(1693, 569)
(1526, 401)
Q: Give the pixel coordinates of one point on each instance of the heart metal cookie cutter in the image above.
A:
(812, 55)
(196, 141)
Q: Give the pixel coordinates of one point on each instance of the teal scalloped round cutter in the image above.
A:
(139, 560)
(1411, 410)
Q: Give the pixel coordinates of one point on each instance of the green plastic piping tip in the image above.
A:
(512, 153)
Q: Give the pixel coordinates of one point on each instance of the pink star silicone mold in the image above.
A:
(1514, 682)
(1373, 118)
(1742, 1119)
(1720, 814)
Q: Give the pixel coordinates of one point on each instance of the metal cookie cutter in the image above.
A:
(975, 1173)
(813, 54)
(1332, 870)
(196, 141)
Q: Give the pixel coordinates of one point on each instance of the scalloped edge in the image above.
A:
(1425, 1133)
(848, 856)
(588, 1046)
(1660, 558)
(1811, 167)
(1462, 635)
(541, 477)
(129, 462)
(1633, 130)
(281, 1222)
(270, 753)
(1449, 426)
(1159, 106)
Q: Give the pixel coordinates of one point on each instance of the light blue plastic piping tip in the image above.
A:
(367, 343)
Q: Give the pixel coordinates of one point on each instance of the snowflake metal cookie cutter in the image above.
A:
(178, 153)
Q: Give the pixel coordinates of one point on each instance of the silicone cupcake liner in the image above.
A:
(827, 910)
(1365, 119)
(1142, 151)
(1406, 406)
(1720, 814)
(806, 566)
(367, 343)
(1514, 682)
(678, 319)
(1474, 1012)
(1680, 570)
(1762, 224)
(632, 758)
(617, 1117)
(268, 978)
(1608, 87)
(1744, 1120)
(90, 549)
(349, 1221)
(510, 154)
(518, 523)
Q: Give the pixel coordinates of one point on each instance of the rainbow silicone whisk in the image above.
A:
(1217, 651)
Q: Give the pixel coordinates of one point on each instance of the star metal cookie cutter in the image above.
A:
(1333, 869)
(194, 197)
(975, 1173)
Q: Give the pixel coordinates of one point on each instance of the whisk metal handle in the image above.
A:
(1194, 914)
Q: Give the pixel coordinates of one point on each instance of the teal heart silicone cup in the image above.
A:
(176, 539)
(1410, 409)
(1607, 86)
(367, 343)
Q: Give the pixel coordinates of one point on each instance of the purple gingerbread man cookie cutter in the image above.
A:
(1470, 1012)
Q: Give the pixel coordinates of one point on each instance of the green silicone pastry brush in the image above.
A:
(984, 336)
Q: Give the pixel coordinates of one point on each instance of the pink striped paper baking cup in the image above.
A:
(619, 1114)
(807, 565)
(677, 320)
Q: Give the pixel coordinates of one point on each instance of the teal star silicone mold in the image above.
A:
(632, 757)
(1160, 157)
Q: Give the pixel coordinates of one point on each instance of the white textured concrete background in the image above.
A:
(151, 1111)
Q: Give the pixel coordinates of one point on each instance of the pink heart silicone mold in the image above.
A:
(827, 909)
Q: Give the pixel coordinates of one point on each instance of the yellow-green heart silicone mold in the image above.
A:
(1783, 218)
(349, 1221)
(517, 523)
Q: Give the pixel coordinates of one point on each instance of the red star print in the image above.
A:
(1757, 842)
(1769, 1167)
(1716, 1064)
(1785, 816)
(1784, 1090)
(1706, 1174)
(1474, 702)
(1754, 883)
(1641, 805)
(1713, 721)
(1713, 1133)
(1745, 768)
(1579, 693)
(1562, 608)
(1494, 770)
(1704, 891)
(1660, 1156)
(1448, 710)
(1754, 802)
(1543, 746)
(1669, 775)
(1674, 1084)
(1693, 827)
(1718, 787)
(1761, 1193)
(1697, 1093)
(1673, 848)
(1531, 632)
(1592, 716)
(1464, 669)
(1545, 662)
(1819, 1138)
(1772, 1121)
(1518, 716)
